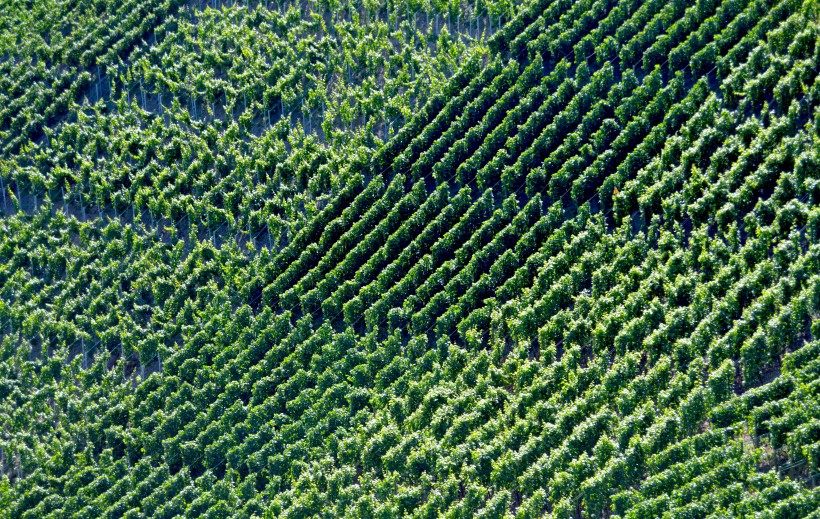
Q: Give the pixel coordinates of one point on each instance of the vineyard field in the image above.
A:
(457, 259)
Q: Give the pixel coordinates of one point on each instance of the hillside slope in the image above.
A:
(582, 281)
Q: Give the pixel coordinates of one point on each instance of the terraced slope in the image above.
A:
(586, 285)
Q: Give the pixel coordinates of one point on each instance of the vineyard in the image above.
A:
(416, 259)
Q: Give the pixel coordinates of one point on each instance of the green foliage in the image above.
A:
(343, 259)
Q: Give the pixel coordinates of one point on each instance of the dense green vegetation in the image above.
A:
(241, 119)
(411, 259)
